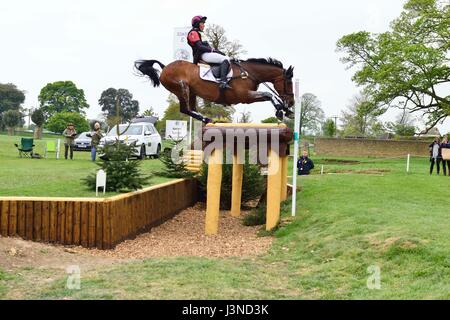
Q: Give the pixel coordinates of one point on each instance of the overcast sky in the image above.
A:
(94, 43)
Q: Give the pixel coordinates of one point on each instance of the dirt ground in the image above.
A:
(181, 236)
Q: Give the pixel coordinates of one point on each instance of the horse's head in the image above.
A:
(283, 85)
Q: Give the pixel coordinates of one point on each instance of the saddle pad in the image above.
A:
(206, 73)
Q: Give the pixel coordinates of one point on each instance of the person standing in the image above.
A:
(69, 140)
(445, 162)
(95, 140)
(435, 155)
(304, 164)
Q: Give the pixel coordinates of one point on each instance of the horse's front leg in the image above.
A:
(258, 96)
(188, 102)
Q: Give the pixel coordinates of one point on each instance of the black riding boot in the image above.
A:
(224, 67)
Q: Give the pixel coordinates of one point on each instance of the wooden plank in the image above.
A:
(37, 223)
(53, 221)
(77, 223)
(29, 209)
(99, 225)
(92, 213)
(12, 219)
(21, 218)
(68, 239)
(84, 224)
(1, 204)
(107, 225)
(45, 221)
(4, 218)
(61, 224)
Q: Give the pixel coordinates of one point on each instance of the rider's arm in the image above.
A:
(194, 39)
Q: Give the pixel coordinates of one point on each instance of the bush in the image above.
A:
(172, 169)
(11, 120)
(256, 217)
(122, 173)
(253, 184)
(58, 122)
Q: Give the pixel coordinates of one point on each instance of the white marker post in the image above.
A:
(407, 163)
(296, 144)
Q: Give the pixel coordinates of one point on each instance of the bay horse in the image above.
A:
(182, 78)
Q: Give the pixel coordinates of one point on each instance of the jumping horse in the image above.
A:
(182, 78)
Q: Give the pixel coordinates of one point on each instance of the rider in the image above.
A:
(202, 50)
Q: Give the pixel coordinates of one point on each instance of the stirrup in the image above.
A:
(224, 85)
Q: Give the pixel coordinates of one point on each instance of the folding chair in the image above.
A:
(52, 146)
(26, 147)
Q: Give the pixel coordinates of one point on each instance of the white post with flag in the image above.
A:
(296, 144)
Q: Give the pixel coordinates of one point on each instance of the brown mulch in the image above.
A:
(184, 236)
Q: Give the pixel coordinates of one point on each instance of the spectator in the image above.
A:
(69, 140)
(304, 164)
(435, 155)
(445, 162)
(96, 136)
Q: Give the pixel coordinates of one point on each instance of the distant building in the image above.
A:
(432, 133)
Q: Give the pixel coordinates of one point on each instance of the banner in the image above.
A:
(181, 49)
(176, 129)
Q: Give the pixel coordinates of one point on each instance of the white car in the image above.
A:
(144, 134)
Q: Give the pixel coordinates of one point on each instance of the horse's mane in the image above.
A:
(268, 61)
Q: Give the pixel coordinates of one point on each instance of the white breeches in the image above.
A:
(213, 57)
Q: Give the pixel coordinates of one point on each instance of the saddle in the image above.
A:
(211, 71)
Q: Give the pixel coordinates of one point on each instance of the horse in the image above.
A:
(182, 78)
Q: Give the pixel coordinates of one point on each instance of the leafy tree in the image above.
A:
(312, 114)
(10, 97)
(216, 112)
(270, 120)
(360, 118)
(149, 113)
(218, 40)
(38, 118)
(62, 96)
(129, 108)
(58, 122)
(329, 128)
(11, 120)
(122, 172)
(409, 62)
(403, 126)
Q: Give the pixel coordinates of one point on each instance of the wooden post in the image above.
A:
(273, 190)
(284, 173)
(213, 193)
(236, 189)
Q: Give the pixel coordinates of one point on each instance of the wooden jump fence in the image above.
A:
(94, 223)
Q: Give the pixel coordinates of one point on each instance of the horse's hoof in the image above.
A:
(207, 120)
(289, 114)
(279, 115)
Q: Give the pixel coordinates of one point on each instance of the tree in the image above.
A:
(312, 114)
(11, 119)
(270, 120)
(329, 128)
(245, 117)
(129, 108)
(174, 168)
(403, 126)
(58, 122)
(38, 118)
(218, 40)
(360, 118)
(62, 96)
(149, 113)
(409, 62)
(10, 97)
(216, 112)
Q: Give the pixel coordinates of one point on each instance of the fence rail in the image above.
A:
(94, 223)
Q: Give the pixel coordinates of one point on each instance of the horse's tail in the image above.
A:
(146, 68)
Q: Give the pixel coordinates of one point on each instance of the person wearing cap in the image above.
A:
(202, 50)
(69, 140)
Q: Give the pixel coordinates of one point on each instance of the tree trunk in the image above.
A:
(37, 133)
(10, 131)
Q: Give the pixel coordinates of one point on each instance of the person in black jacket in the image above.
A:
(304, 164)
(435, 155)
(202, 50)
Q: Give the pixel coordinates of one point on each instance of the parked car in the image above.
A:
(143, 134)
(83, 142)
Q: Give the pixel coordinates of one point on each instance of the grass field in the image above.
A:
(364, 215)
(52, 177)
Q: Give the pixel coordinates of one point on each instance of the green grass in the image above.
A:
(345, 223)
(52, 177)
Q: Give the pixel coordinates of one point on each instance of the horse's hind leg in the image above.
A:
(187, 103)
